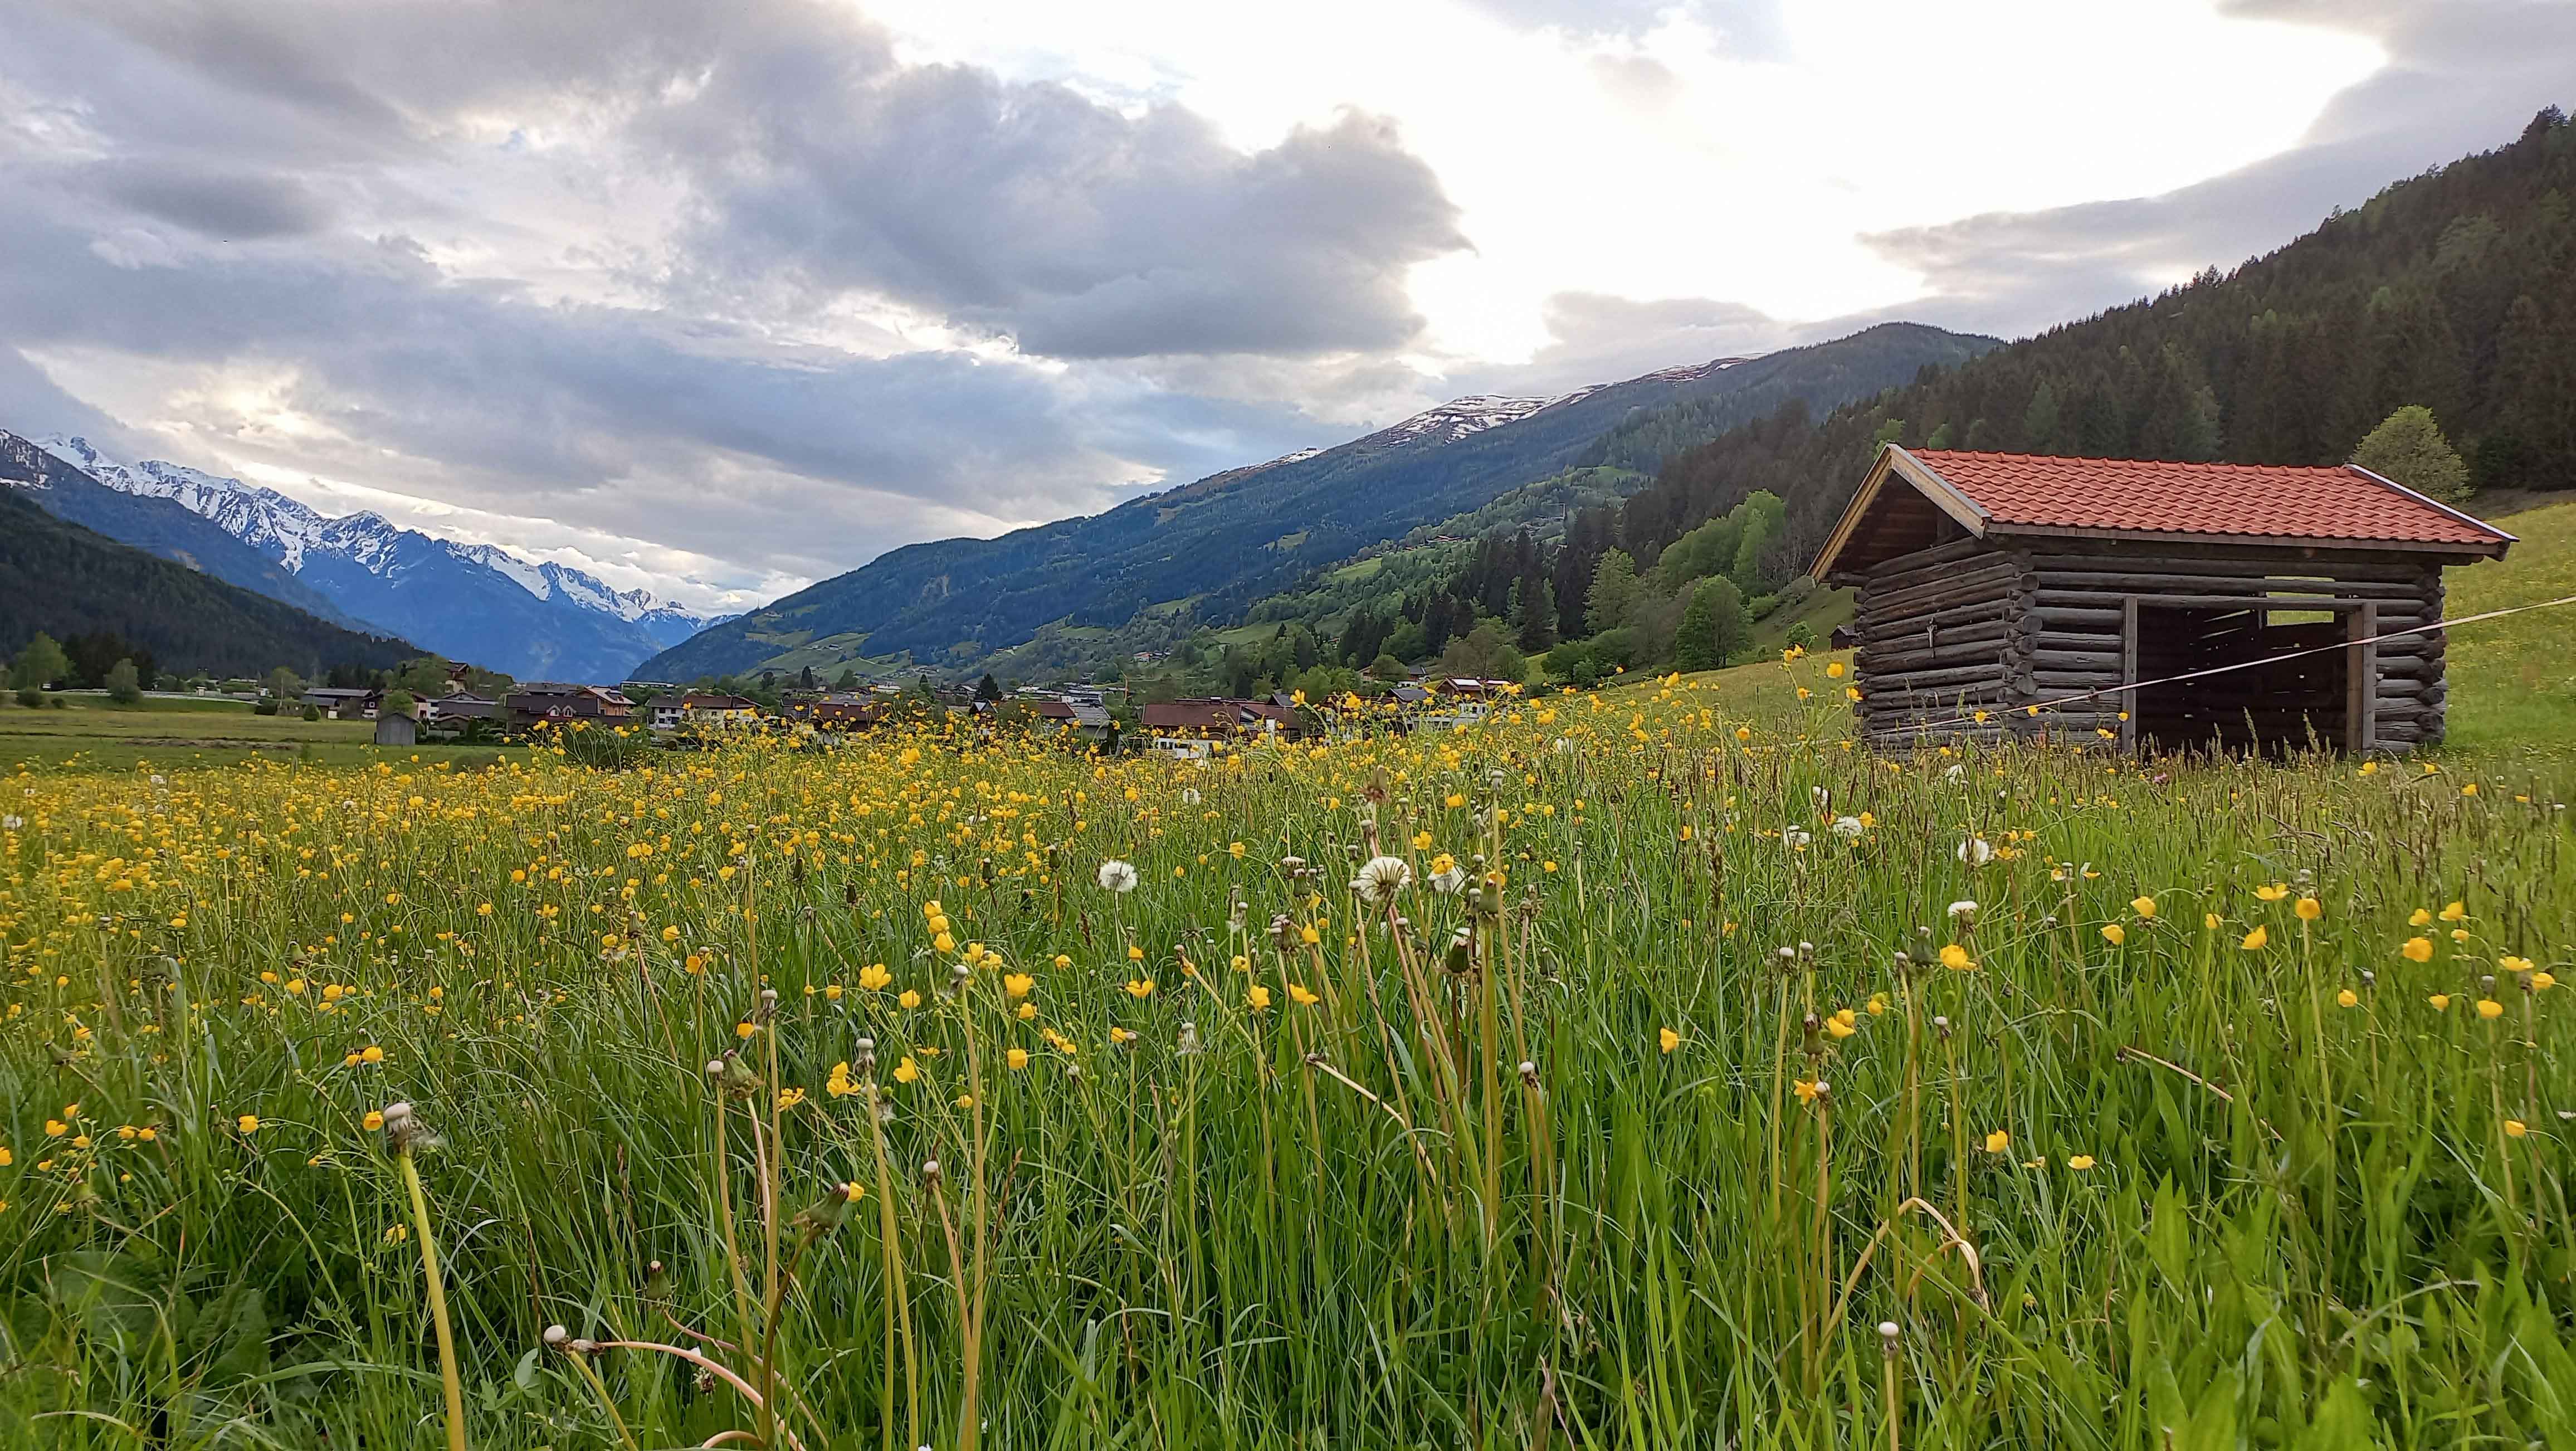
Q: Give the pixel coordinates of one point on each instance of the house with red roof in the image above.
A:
(2147, 605)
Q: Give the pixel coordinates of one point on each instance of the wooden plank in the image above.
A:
(2045, 597)
(2160, 584)
(2372, 571)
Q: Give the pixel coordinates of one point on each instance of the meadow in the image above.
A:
(87, 732)
(1621, 1073)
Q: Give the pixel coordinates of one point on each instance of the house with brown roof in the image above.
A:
(1199, 728)
(2152, 606)
(555, 702)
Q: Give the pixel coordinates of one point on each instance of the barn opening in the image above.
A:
(2284, 701)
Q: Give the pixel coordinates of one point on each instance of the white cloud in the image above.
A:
(1665, 161)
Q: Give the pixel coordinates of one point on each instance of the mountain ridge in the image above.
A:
(474, 602)
(62, 578)
(1218, 543)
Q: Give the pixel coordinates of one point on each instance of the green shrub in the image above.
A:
(603, 748)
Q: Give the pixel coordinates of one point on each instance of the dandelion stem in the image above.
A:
(449, 1380)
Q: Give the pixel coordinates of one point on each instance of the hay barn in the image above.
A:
(1990, 583)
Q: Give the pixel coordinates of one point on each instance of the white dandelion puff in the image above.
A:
(1118, 876)
(1380, 878)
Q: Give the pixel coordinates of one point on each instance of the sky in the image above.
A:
(721, 299)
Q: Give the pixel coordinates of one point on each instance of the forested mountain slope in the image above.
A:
(1214, 546)
(2455, 290)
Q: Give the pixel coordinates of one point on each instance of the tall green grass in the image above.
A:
(1360, 1221)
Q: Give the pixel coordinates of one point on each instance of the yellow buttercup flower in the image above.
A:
(2308, 909)
(2114, 933)
(2255, 940)
(1668, 1038)
(2417, 949)
(1998, 1141)
(2145, 907)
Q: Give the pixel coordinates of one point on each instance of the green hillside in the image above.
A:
(2513, 681)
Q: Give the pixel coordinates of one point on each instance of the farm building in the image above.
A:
(1993, 583)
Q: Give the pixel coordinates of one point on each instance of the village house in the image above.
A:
(839, 711)
(460, 706)
(699, 708)
(1198, 728)
(553, 702)
(339, 703)
(1463, 700)
(2006, 594)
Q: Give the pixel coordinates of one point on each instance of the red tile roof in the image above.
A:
(2254, 500)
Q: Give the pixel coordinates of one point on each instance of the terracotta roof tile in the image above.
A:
(2256, 500)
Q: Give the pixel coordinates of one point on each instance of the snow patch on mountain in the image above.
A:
(287, 528)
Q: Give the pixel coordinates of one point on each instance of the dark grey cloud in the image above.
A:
(215, 203)
(820, 160)
(2463, 77)
(1037, 213)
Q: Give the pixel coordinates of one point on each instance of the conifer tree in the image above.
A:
(2409, 448)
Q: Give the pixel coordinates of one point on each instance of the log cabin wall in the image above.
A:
(1943, 632)
(1997, 625)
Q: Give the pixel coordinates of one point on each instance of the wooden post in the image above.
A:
(2129, 674)
(2361, 681)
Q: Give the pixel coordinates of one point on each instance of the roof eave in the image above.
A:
(2493, 549)
(1926, 480)
(2429, 502)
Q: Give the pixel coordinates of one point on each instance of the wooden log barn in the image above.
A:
(1989, 583)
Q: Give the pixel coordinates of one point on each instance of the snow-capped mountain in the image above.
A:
(472, 602)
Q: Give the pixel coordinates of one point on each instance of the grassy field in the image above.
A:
(1661, 1061)
(89, 733)
(1644, 1069)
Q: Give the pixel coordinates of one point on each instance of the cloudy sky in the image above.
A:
(725, 297)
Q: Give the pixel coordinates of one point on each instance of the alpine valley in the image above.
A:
(1155, 567)
(470, 602)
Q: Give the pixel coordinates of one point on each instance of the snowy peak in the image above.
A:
(1464, 417)
(1693, 372)
(262, 518)
(286, 528)
(1461, 417)
(468, 601)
